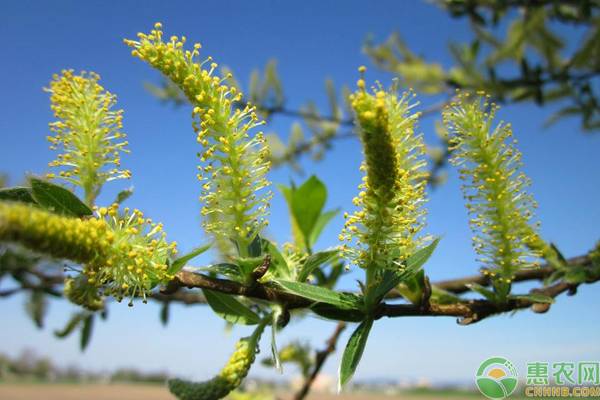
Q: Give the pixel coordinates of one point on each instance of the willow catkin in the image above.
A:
(234, 162)
(124, 255)
(385, 229)
(501, 209)
(230, 377)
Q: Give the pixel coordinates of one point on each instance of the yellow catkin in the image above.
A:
(234, 163)
(87, 130)
(230, 377)
(123, 255)
(505, 237)
(385, 229)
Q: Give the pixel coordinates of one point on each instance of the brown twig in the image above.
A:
(320, 359)
(256, 291)
(184, 297)
(468, 311)
(458, 286)
(473, 311)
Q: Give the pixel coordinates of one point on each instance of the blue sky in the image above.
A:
(311, 40)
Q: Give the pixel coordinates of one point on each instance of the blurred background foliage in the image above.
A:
(515, 55)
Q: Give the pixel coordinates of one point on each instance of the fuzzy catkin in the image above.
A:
(501, 209)
(228, 379)
(87, 130)
(61, 237)
(385, 229)
(234, 162)
(124, 255)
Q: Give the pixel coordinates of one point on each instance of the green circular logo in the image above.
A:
(496, 378)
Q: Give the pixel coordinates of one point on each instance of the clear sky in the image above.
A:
(312, 40)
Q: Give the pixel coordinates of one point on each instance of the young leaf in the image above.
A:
(164, 313)
(36, 306)
(86, 332)
(230, 271)
(420, 257)
(228, 308)
(330, 312)
(255, 247)
(390, 280)
(123, 195)
(575, 275)
(307, 203)
(71, 325)
(482, 290)
(353, 352)
(536, 298)
(315, 261)
(58, 199)
(247, 265)
(412, 288)
(440, 296)
(288, 194)
(180, 262)
(321, 223)
(17, 193)
(274, 351)
(343, 301)
(278, 266)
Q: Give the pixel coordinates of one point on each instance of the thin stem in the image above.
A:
(321, 357)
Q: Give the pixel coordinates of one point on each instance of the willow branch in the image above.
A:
(186, 279)
(468, 311)
(458, 286)
(184, 297)
(473, 311)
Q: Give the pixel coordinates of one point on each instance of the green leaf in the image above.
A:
(17, 193)
(392, 278)
(248, 264)
(274, 351)
(345, 301)
(575, 275)
(288, 194)
(228, 308)
(420, 257)
(279, 267)
(58, 199)
(164, 313)
(230, 271)
(36, 307)
(536, 298)
(485, 292)
(255, 247)
(330, 312)
(86, 332)
(307, 203)
(123, 195)
(321, 223)
(354, 351)
(180, 262)
(389, 281)
(441, 296)
(315, 261)
(71, 325)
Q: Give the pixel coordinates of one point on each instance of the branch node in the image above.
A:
(425, 304)
(262, 269)
(540, 308)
